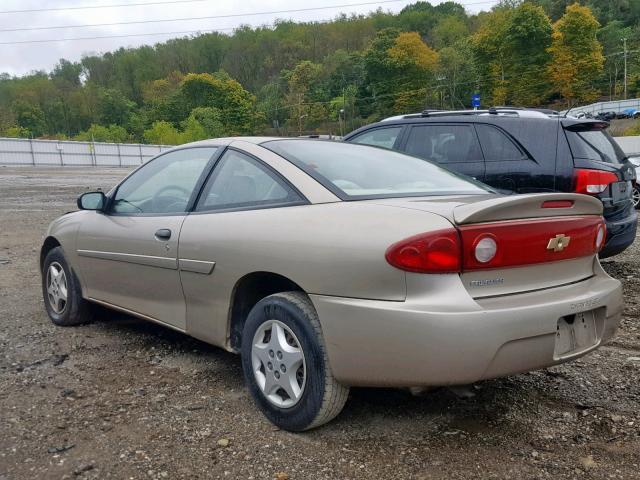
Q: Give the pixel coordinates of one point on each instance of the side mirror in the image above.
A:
(92, 201)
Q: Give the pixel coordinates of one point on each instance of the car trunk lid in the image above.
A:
(543, 240)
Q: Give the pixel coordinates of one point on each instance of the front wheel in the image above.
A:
(62, 293)
(635, 194)
(286, 366)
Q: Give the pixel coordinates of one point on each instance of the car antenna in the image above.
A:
(567, 112)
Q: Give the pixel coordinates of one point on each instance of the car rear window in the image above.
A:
(354, 171)
(595, 145)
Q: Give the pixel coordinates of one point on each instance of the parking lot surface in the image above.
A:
(122, 398)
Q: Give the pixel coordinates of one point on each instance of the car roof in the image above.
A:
(223, 141)
(516, 112)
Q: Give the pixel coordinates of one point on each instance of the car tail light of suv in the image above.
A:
(495, 245)
(593, 182)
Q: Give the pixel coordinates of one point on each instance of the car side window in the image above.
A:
(239, 181)
(497, 146)
(379, 137)
(444, 143)
(164, 185)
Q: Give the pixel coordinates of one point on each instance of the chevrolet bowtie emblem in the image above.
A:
(558, 243)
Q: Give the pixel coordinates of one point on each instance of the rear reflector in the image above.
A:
(592, 182)
(494, 245)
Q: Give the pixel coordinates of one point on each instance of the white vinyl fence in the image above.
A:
(20, 151)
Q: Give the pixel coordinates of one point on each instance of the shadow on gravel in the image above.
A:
(487, 409)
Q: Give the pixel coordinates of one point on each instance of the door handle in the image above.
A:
(163, 234)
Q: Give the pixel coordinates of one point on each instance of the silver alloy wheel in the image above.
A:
(635, 193)
(57, 287)
(278, 364)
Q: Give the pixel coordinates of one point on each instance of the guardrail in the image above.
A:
(20, 151)
(612, 106)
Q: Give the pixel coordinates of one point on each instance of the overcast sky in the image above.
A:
(18, 59)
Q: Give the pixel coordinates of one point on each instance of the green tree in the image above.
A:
(100, 133)
(236, 105)
(114, 107)
(29, 118)
(203, 123)
(448, 31)
(302, 110)
(528, 38)
(511, 49)
(577, 55)
(162, 133)
(399, 68)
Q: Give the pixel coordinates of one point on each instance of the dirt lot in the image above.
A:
(122, 398)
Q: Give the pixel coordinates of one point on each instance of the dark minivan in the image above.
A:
(521, 151)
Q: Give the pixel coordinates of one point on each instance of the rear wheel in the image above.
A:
(635, 194)
(62, 293)
(286, 366)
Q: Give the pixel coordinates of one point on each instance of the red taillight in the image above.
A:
(527, 242)
(592, 182)
(506, 244)
(434, 252)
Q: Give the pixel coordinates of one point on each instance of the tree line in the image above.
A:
(331, 77)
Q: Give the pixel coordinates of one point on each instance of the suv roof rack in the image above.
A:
(513, 111)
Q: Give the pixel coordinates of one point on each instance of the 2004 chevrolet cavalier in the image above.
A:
(327, 265)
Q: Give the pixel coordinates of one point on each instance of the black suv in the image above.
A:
(521, 151)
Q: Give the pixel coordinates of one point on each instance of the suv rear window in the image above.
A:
(595, 145)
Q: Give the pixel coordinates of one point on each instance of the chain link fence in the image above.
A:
(19, 151)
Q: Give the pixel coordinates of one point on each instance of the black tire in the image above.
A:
(76, 310)
(322, 397)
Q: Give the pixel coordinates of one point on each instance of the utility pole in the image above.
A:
(344, 114)
(624, 40)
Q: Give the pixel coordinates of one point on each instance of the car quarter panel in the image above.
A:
(333, 249)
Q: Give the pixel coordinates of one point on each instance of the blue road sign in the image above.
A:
(475, 100)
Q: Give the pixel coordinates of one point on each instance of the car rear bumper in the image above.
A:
(444, 337)
(620, 234)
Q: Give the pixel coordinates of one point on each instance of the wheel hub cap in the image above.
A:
(57, 287)
(278, 364)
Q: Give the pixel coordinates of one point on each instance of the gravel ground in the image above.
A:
(123, 398)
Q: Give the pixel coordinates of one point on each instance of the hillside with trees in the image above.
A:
(332, 77)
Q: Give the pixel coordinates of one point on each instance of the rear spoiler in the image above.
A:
(535, 205)
(575, 125)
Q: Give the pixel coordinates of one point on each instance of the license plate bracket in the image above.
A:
(575, 333)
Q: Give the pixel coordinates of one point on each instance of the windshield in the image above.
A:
(595, 145)
(360, 172)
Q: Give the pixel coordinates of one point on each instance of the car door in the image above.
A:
(128, 254)
(241, 193)
(454, 146)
